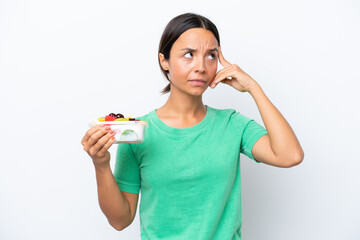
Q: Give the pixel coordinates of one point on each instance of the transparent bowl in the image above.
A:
(125, 131)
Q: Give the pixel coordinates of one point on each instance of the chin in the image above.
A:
(192, 91)
(197, 92)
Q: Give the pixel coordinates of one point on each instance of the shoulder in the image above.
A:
(230, 114)
(145, 117)
(221, 112)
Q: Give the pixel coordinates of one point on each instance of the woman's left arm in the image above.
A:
(280, 146)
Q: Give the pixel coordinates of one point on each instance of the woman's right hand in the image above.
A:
(96, 142)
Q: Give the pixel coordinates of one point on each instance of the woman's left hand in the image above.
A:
(239, 79)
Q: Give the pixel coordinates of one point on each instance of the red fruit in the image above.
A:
(109, 118)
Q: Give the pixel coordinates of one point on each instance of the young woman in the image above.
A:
(188, 167)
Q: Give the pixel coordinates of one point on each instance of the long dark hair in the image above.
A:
(175, 28)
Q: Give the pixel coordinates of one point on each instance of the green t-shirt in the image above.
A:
(189, 177)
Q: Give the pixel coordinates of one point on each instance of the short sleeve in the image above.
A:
(127, 172)
(251, 133)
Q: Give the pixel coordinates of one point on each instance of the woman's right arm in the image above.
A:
(113, 202)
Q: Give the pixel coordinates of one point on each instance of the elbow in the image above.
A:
(296, 159)
(120, 223)
(118, 226)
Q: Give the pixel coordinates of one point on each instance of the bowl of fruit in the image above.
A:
(127, 130)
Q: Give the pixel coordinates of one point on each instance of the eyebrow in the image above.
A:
(193, 50)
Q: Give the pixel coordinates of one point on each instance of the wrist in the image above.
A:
(102, 167)
(255, 87)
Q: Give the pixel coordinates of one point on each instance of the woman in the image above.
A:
(188, 167)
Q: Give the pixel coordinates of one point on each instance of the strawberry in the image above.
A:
(109, 118)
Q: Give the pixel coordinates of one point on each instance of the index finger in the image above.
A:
(222, 60)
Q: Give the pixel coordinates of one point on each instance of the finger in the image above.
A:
(222, 75)
(107, 145)
(90, 132)
(227, 70)
(226, 81)
(100, 143)
(222, 60)
(95, 137)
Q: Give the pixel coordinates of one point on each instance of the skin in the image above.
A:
(280, 147)
(118, 207)
(184, 108)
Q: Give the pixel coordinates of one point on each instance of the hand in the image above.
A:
(233, 75)
(96, 142)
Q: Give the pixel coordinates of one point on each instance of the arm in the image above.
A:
(118, 207)
(280, 146)
(112, 201)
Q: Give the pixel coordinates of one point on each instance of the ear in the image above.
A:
(164, 62)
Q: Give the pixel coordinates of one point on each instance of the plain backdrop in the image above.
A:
(63, 63)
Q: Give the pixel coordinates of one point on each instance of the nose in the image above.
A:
(200, 65)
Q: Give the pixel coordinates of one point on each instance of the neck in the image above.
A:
(183, 105)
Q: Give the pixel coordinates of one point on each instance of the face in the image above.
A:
(193, 61)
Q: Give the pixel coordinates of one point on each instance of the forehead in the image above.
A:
(196, 38)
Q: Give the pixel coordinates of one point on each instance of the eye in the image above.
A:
(212, 56)
(188, 55)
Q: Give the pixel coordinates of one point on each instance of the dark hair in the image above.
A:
(175, 28)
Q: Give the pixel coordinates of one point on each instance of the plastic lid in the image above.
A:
(97, 122)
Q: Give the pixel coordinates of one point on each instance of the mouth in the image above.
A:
(197, 82)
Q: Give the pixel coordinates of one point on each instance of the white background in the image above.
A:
(65, 62)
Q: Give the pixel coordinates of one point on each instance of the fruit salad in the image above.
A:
(127, 130)
(116, 117)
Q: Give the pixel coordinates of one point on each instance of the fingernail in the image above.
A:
(112, 138)
(112, 131)
(107, 128)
